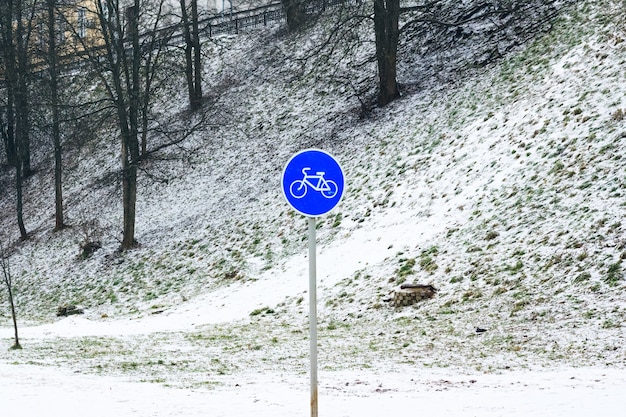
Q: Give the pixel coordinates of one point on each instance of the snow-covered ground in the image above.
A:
(266, 391)
(33, 391)
(505, 190)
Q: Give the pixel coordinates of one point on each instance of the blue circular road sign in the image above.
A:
(312, 182)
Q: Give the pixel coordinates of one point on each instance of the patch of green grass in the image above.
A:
(427, 261)
(262, 311)
(614, 273)
(406, 267)
(514, 268)
(610, 324)
(582, 277)
(492, 234)
(337, 221)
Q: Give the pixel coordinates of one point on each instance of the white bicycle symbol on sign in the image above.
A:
(299, 188)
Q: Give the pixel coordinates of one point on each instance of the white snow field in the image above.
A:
(505, 189)
(35, 391)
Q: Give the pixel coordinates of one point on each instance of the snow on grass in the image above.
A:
(504, 190)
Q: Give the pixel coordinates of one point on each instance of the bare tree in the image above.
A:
(126, 58)
(7, 278)
(15, 30)
(123, 87)
(444, 24)
(51, 6)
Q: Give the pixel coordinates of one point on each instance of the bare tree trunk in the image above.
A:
(16, 345)
(22, 109)
(8, 55)
(197, 56)
(130, 138)
(8, 281)
(8, 129)
(20, 205)
(15, 131)
(129, 197)
(188, 52)
(56, 134)
(193, 66)
(386, 17)
(295, 12)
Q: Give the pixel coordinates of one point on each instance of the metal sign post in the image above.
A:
(313, 313)
(313, 184)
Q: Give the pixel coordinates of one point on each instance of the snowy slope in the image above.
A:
(504, 190)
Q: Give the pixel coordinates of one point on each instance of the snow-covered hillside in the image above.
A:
(505, 190)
